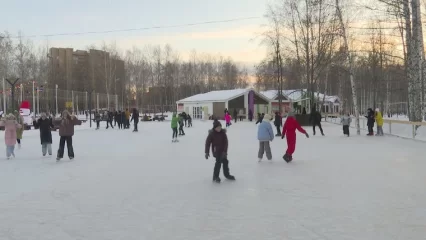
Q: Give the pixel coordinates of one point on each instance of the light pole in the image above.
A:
(56, 98)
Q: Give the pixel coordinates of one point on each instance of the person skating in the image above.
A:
(174, 126)
(315, 119)
(181, 124)
(379, 121)
(97, 119)
(10, 126)
(110, 116)
(127, 120)
(119, 119)
(346, 120)
(370, 122)
(289, 129)
(184, 117)
(135, 119)
(115, 115)
(227, 119)
(45, 125)
(218, 141)
(123, 120)
(19, 131)
(260, 118)
(235, 115)
(66, 132)
(278, 122)
(189, 121)
(265, 134)
(241, 115)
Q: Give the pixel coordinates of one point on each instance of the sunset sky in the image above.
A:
(234, 39)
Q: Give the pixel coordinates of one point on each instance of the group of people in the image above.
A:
(14, 126)
(120, 118)
(180, 120)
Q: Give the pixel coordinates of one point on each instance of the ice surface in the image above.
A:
(133, 186)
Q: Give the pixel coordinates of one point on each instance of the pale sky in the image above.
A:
(234, 39)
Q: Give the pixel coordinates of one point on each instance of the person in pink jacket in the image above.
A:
(228, 119)
(10, 126)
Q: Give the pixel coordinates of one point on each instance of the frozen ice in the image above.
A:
(133, 186)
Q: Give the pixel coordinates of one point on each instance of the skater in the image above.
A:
(66, 131)
(289, 129)
(174, 124)
(127, 120)
(218, 141)
(370, 122)
(260, 117)
(181, 132)
(241, 115)
(189, 121)
(235, 115)
(135, 119)
(315, 119)
(115, 115)
(97, 119)
(123, 120)
(278, 122)
(119, 119)
(109, 119)
(185, 119)
(227, 119)
(10, 126)
(265, 134)
(379, 121)
(44, 123)
(346, 122)
(19, 131)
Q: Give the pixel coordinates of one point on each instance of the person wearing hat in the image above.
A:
(10, 126)
(45, 125)
(174, 125)
(66, 132)
(289, 129)
(265, 134)
(370, 122)
(379, 121)
(218, 141)
(19, 131)
(315, 119)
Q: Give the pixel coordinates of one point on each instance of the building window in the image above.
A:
(197, 112)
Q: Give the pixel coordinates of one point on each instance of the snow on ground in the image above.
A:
(125, 185)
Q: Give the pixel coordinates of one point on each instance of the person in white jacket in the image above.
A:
(265, 134)
(346, 120)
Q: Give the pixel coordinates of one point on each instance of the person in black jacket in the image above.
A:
(44, 123)
(135, 119)
(315, 119)
(370, 122)
(109, 119)
(118, 118)
(97, 119)
(235, 114)
(260, 118)
(278, 122)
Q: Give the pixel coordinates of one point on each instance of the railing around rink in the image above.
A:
(400, 128)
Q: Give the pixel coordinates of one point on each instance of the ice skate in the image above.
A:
(323, 134)
(8, 158)
(44, 154)
(58, 159)
(71, 158)
(216, 179)
(259, 159)
(176, 140)
(230, 177)
(286, 158)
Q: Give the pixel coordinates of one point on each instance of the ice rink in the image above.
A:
(134, 186)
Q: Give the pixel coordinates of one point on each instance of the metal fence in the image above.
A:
(57, 100)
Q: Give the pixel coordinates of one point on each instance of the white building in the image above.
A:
(214, 103)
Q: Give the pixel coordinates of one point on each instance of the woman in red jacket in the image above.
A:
(289, 129)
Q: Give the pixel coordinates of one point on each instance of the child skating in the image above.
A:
(346, 120)
(10, 126)
(265, 134)
(174, 126)
(218, 141)
(379, 122)
(289, 129)
(181, 124)
(45, 125)
(228, 119)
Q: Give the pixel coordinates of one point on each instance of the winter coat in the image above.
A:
(218, 142)
(127, 113)
(227, 118)
(97, 116)
(290, 127)
(315, 117)
(66, 126)
(135, 116)
(265, 132)
(180, 121)
(235, 113)
(278, 120)
(345, 120)
(45, 127)
(19, 131)
(379, 119)
(259, 118)
(370, 118)
(10, 127)
(175, 120)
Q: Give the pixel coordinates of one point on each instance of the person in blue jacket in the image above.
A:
(265, 134)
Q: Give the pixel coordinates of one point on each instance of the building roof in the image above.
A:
(215, 96)
(297, 95)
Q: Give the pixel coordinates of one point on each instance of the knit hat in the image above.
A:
(267, 117)
(216, 124)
